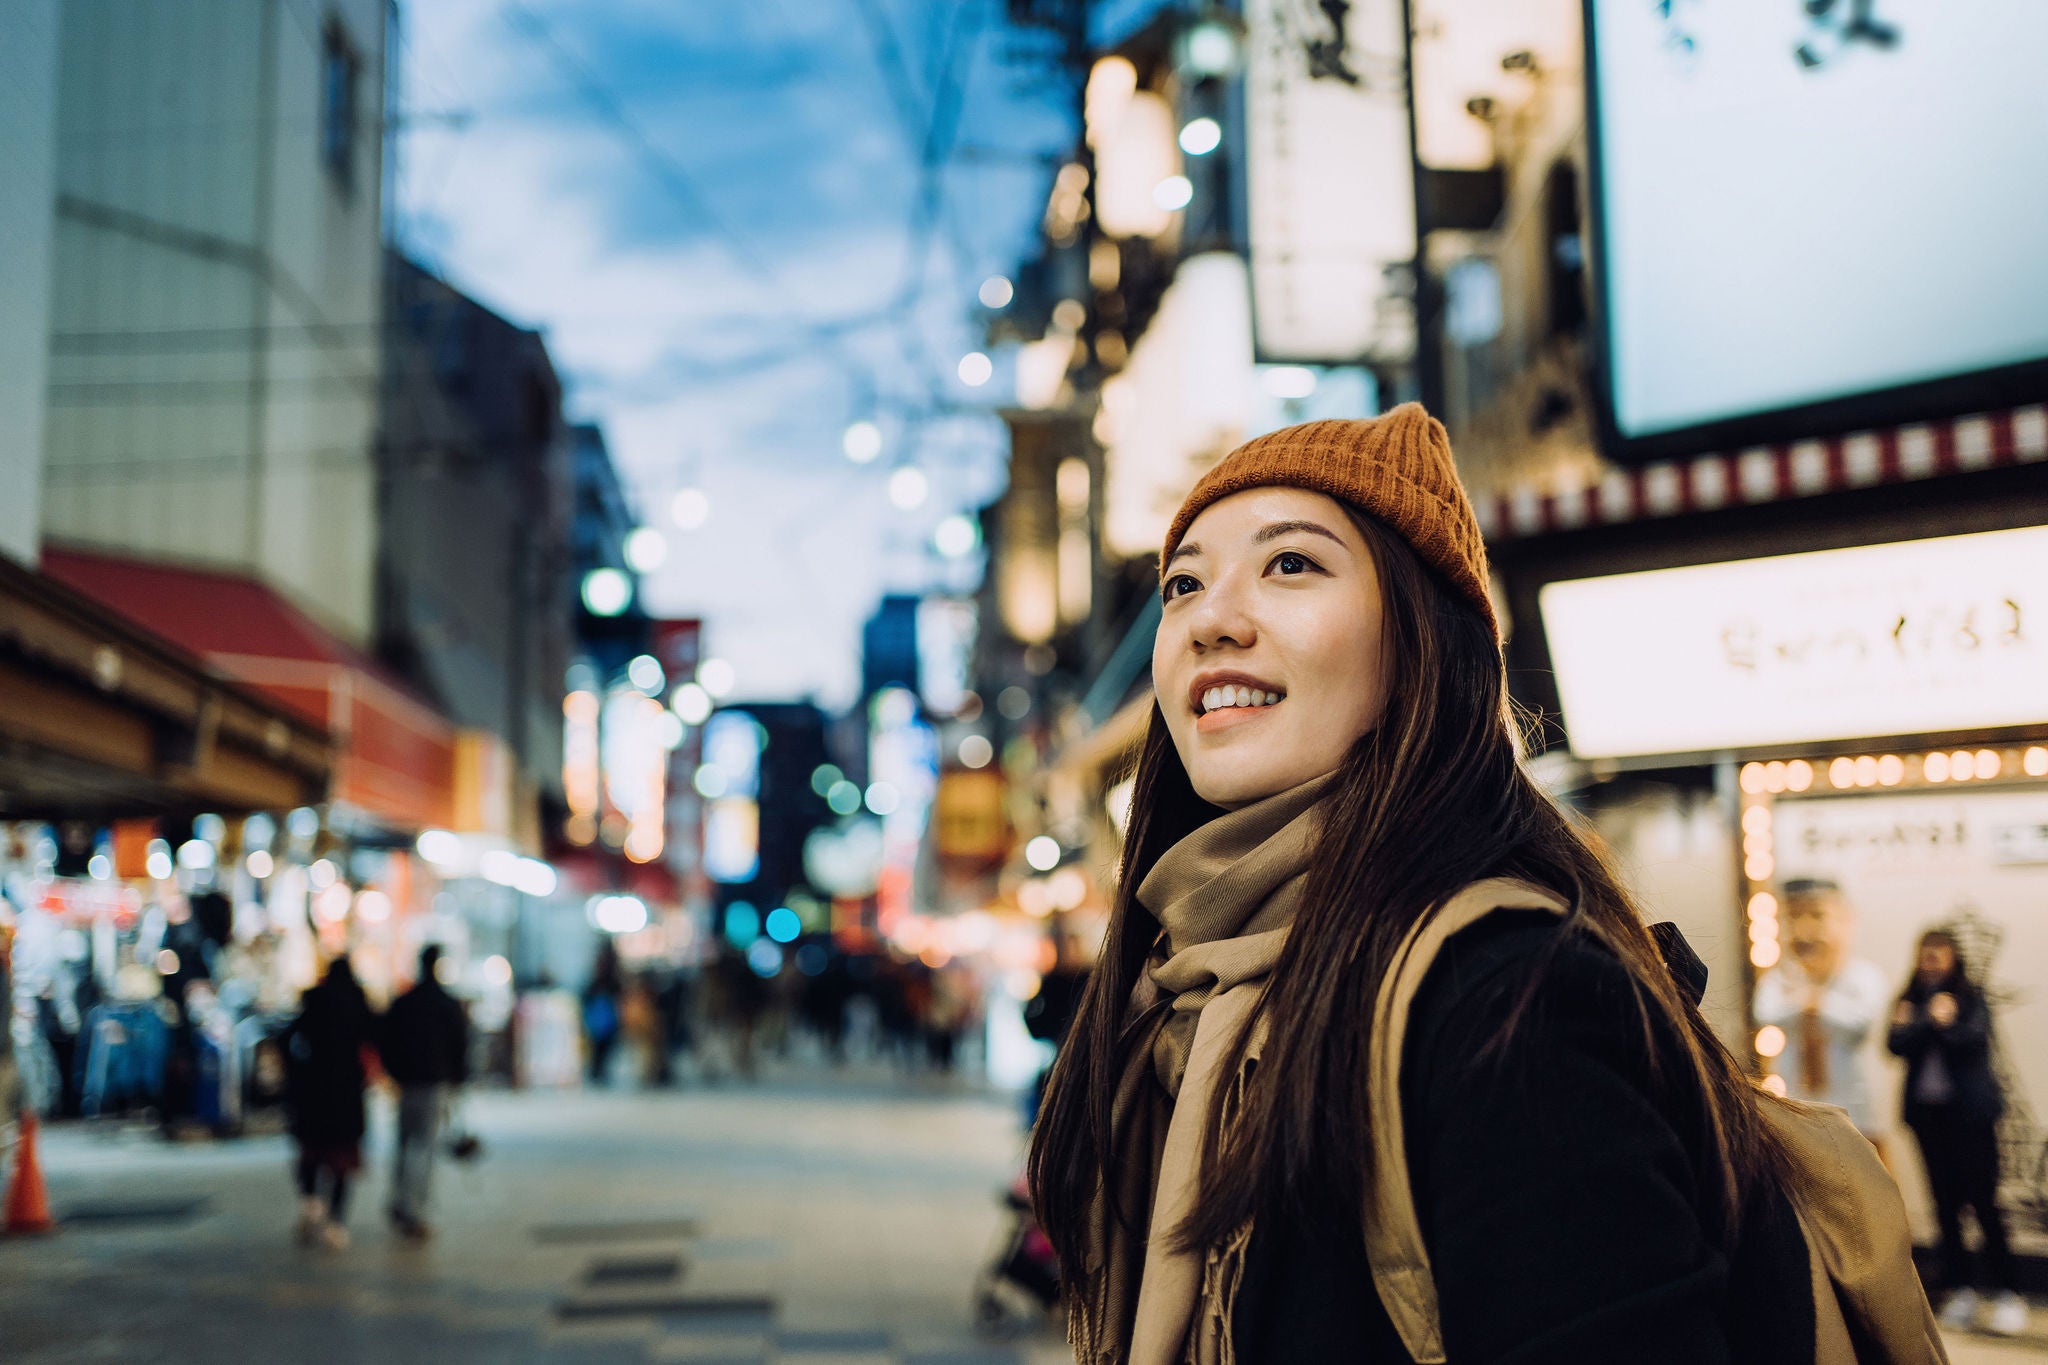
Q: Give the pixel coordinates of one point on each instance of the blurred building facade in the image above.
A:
(28, 148)
(474, 527)
(216, 288)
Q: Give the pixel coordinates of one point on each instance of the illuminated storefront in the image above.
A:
(1827, 661)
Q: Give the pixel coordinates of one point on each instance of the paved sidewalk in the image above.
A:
(814, 1221)
(824, 1222)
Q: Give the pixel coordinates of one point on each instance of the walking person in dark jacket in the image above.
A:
(324, 1087)
(1942, 1027)
(425, 1045)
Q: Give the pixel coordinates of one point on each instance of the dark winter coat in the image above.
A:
(424, 1039)
(324, 1076)
(1962, 1051)
(1565, 1192)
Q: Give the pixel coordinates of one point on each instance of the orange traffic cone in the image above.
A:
(28, 1201)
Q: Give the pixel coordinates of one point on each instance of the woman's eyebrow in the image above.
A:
(1282, 528)
(1186, 548)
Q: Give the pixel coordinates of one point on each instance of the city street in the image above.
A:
(823, 1220)
(819, 1220)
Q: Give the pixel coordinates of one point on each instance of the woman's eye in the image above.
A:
(1179, 585)
(1292, 563)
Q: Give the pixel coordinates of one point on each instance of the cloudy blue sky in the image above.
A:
(721, 217)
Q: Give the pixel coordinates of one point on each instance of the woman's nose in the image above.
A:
(1220, 618)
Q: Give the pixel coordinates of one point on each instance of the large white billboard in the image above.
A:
(1809, 202)
(1922, 637)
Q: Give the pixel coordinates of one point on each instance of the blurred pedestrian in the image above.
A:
(10, 1069)
(1826, 1000)
(325, 1076)
(602, 999)
(640, 1024)
(425, 1045)
(672, 1006)
(1050, 1011)
(955, 1005)
(738, 999)
(824, 1000)
(1941, 1026)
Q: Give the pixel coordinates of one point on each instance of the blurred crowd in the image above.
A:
(663, 1025)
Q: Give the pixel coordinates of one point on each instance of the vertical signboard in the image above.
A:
(1331, 181)
(678, 645)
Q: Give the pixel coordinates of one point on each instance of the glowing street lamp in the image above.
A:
(862, 442)
(1201, 136)
(908, 487)
(690, 509)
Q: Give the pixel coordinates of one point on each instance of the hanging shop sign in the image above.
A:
(1916, 638)
(1810, 217)
(1184, 401)
(970, 824)
(1331, 181)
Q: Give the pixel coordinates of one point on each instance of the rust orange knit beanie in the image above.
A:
(1396, 466)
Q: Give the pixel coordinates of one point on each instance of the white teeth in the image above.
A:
(1216, 698)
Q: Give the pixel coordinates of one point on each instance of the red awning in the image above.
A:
(396, 757)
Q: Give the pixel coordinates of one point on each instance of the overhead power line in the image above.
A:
(665, 169)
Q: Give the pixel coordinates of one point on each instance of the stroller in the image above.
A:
(1021, 1284)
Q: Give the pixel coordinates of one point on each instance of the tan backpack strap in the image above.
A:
(1393, 1231)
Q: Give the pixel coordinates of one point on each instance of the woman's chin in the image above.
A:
(1243, 786)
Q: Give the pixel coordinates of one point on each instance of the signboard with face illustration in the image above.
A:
(1965, 860)
(1814, 215)
(1916, 638)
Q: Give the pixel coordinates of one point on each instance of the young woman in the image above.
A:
(1331, 759)
(1942, 1027)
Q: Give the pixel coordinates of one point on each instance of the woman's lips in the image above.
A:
(1226, 717)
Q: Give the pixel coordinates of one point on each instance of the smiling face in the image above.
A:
(1270, 660)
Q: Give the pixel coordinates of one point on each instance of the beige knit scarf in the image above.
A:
(1225, 897)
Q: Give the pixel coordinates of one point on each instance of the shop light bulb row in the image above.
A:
(1762, 781)
(1866, 771)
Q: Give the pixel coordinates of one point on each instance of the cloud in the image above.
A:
(775, 117)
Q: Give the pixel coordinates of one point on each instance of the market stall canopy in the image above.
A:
(100, 719)
(395, 755)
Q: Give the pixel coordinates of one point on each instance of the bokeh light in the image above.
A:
(717, 677)
(861, 441)
(690, 508)
(646, 549)
(606, 592)
(908, 487)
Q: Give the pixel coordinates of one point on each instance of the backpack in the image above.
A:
(1869, 1307)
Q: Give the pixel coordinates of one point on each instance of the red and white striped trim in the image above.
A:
(1772, 474)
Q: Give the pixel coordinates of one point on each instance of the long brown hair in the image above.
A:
(1430, 800)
